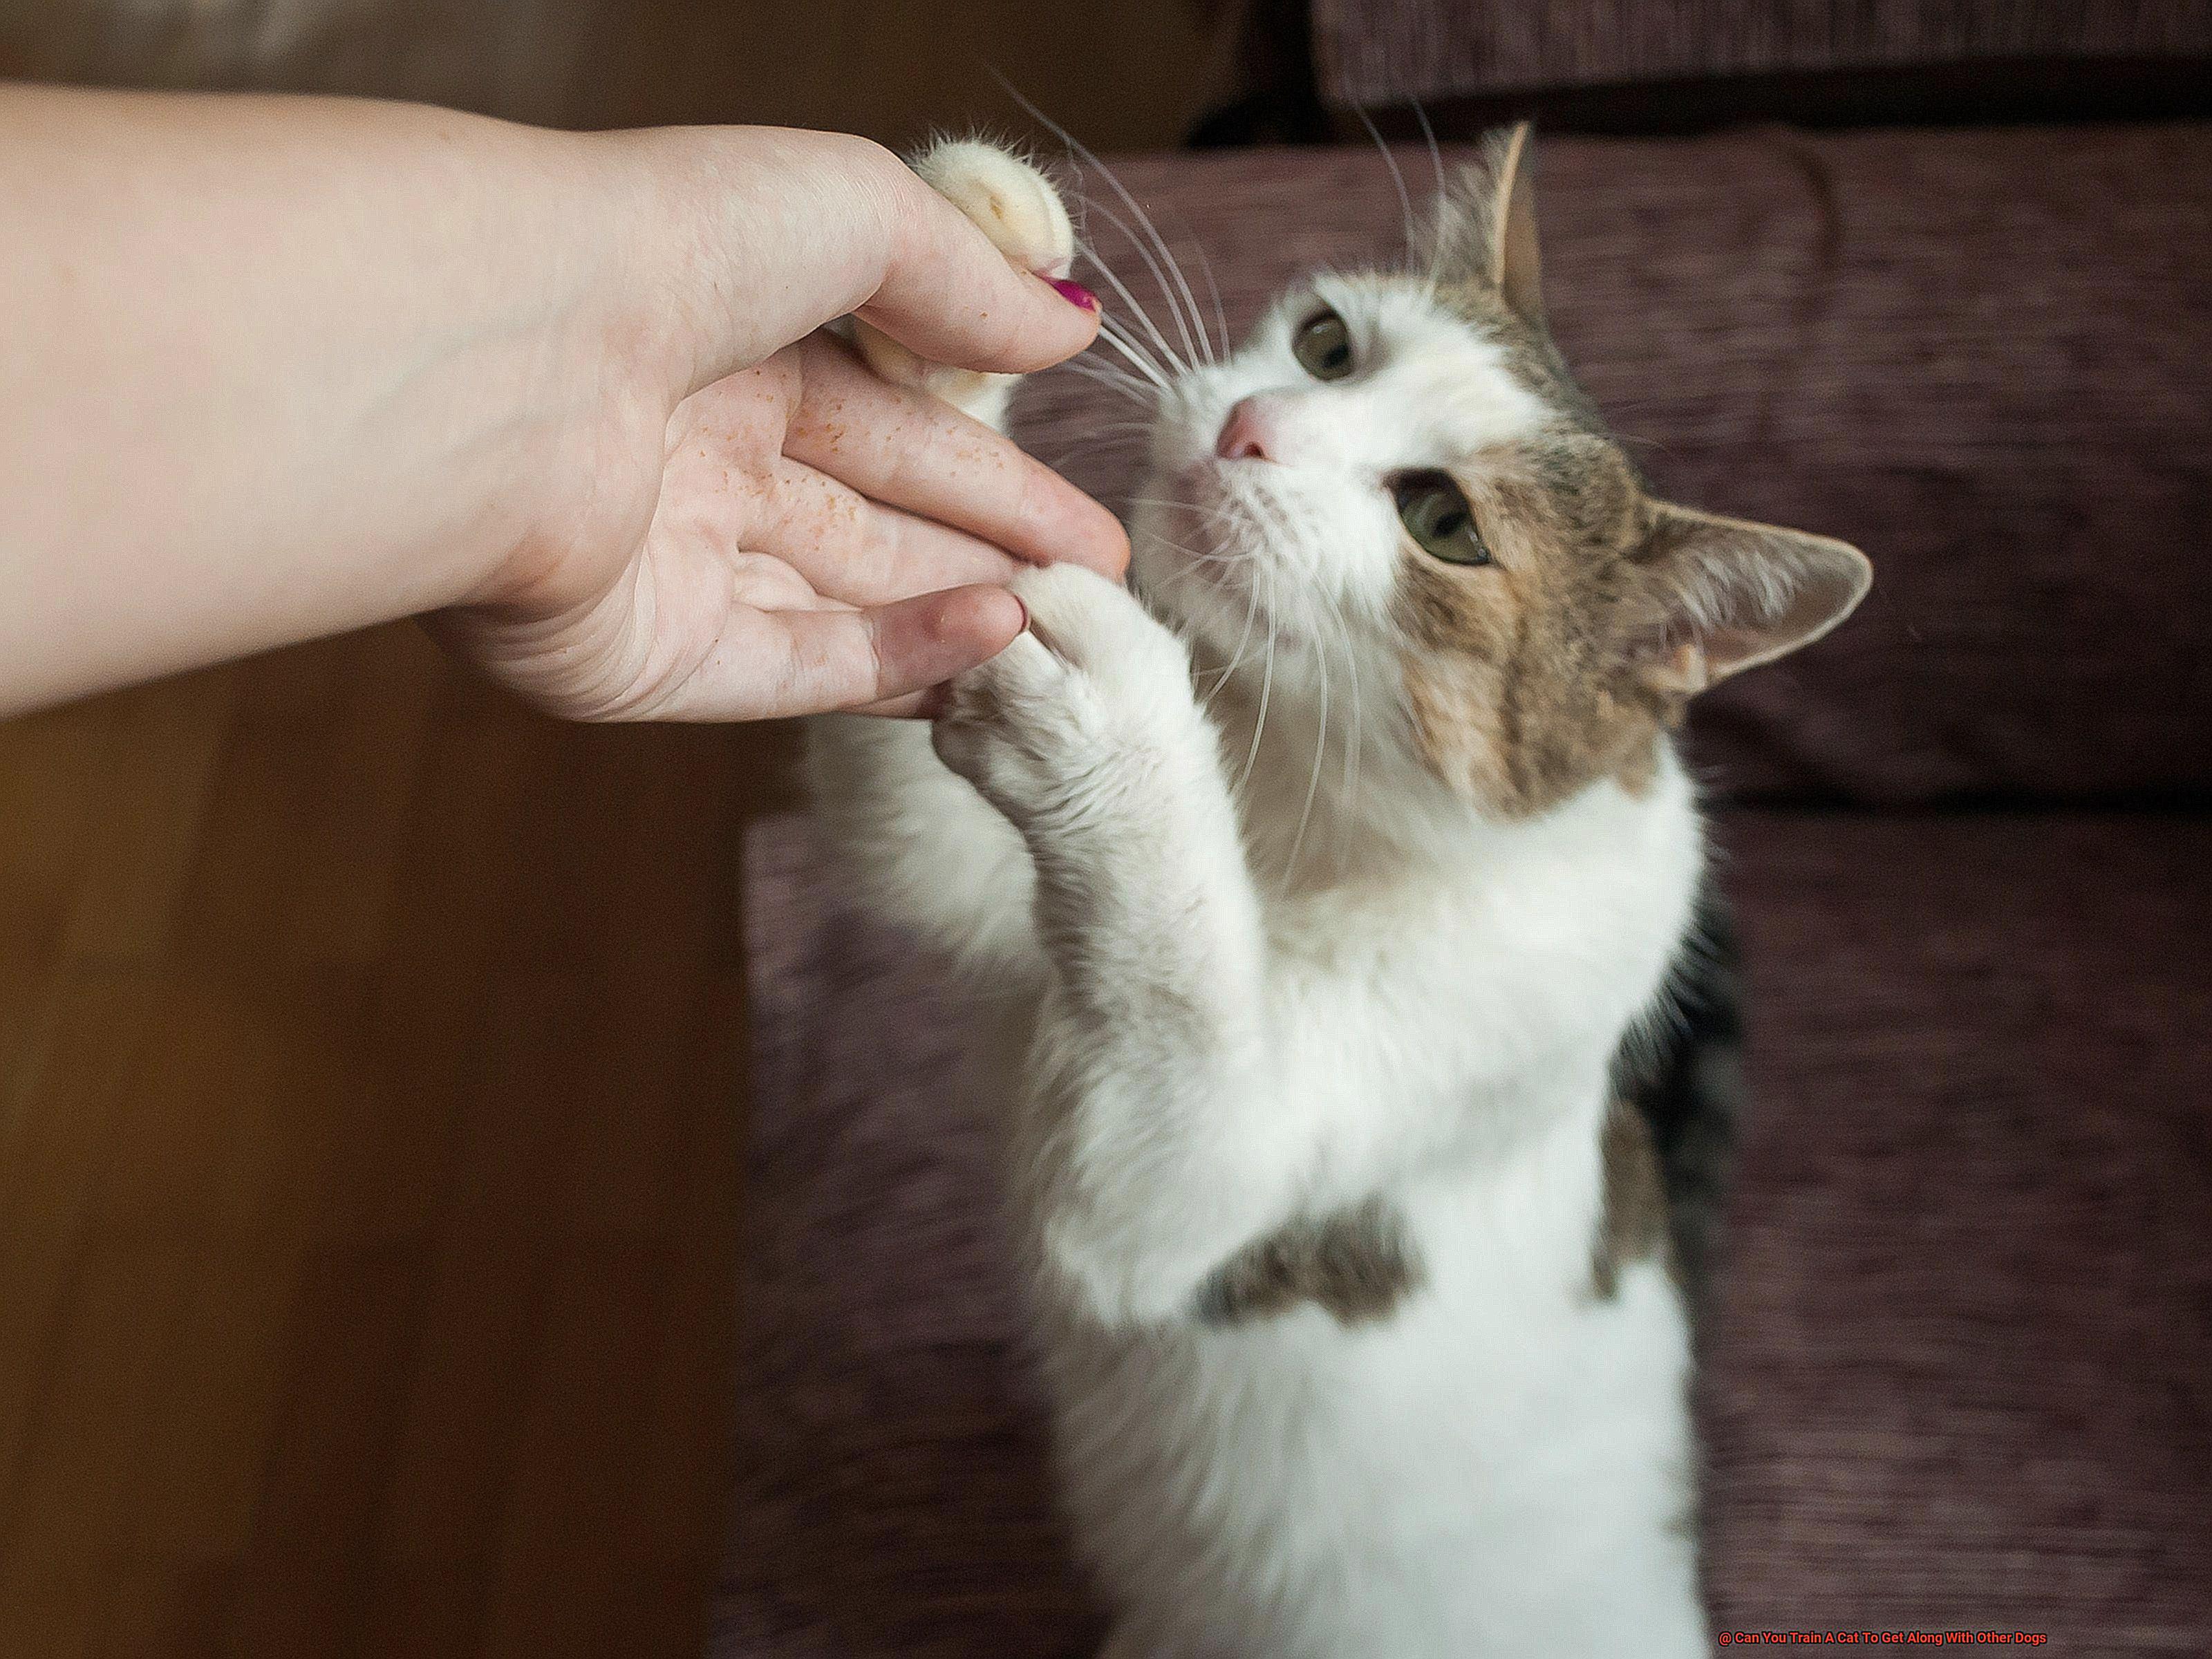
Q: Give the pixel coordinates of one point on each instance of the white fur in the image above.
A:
(1219, 1023)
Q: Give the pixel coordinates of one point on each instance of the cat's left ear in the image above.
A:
(1487, 228)
(1725, 594)
(1515, 266)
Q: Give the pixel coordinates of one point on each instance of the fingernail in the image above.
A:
(1025, 611)
(1075, 293)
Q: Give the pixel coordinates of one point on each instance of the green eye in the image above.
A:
(1437, 516)
(1322, 346)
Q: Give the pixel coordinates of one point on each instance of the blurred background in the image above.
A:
(402, 1251)
(1126, 77)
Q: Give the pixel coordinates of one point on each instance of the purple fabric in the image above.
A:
(892, 1493)
(1980, 355)
(1961, 1370)
(1960, 1364)
(1377, 51)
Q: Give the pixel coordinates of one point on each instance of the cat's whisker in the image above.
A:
(1084, 154)
(1214, 292)
(1313, 780)
(1397, 177)
(1163, 360)
(1197, 563)
(1353, 738)
(1236, 655)
(1106, 446)
(1092, 367)
(1158, 339)
(1106, 442)
(1193, 348)
(1244, 655)
(1152, 264)
(1436, 155)
(1435, 237)
(1113, 280)
(1199, 554)
(1120, 431)
(1118, 381)
(1090, 251)
(1197, 569)
(1203, 514)
(1139, 359)
(1266, 689)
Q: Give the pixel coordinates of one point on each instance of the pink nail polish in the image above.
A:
(1075, 293)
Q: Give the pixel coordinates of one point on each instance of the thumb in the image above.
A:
(949, 295)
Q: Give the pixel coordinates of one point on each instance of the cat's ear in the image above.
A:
(1723, 595)
(1515, 266)
(1486, 229)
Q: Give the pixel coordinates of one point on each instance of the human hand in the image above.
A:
(327, 362)
(754, 523)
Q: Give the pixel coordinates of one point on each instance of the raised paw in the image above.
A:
(1011, 201)
(1016, 206)
(1087, 705)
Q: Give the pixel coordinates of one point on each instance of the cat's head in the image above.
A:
(1394, 474)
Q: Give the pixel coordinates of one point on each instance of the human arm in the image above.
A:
(277, 367)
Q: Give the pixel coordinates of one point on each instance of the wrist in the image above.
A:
(601, 364)
(744, 240)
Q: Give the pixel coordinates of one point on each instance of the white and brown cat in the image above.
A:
(1350, 1275)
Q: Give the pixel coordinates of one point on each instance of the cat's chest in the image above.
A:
(1497, 1340)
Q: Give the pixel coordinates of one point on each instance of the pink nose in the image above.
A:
(1248, 435)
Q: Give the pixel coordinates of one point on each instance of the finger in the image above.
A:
(810, 662)
(951, 296)
(914, 706)
(862, 553)
(914, 452)
(792, 229)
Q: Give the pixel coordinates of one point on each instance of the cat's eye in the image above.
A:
(1435, 513)
(1322, 346)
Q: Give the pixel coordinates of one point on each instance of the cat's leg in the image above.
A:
(1154, 1140)
(922, 847)
(928, 850)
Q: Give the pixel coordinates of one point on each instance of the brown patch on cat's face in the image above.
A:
(1564, 660)
(1516, 672)
(1633, 1225)
(1357, 1264)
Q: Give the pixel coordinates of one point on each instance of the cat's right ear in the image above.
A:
(1721, 595)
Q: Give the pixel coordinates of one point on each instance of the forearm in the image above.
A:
(1166, 1138)
(272, 367)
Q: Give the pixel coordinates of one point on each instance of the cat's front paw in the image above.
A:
(1015, 205)
(1086, 712)
(1009, 199)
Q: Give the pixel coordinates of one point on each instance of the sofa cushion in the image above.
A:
(892, 1497)
(1961, 1359)
(1382, 52)
(1981, 355)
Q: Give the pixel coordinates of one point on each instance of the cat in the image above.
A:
(1316, 896)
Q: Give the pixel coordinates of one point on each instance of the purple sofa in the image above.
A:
(1959, 1360)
